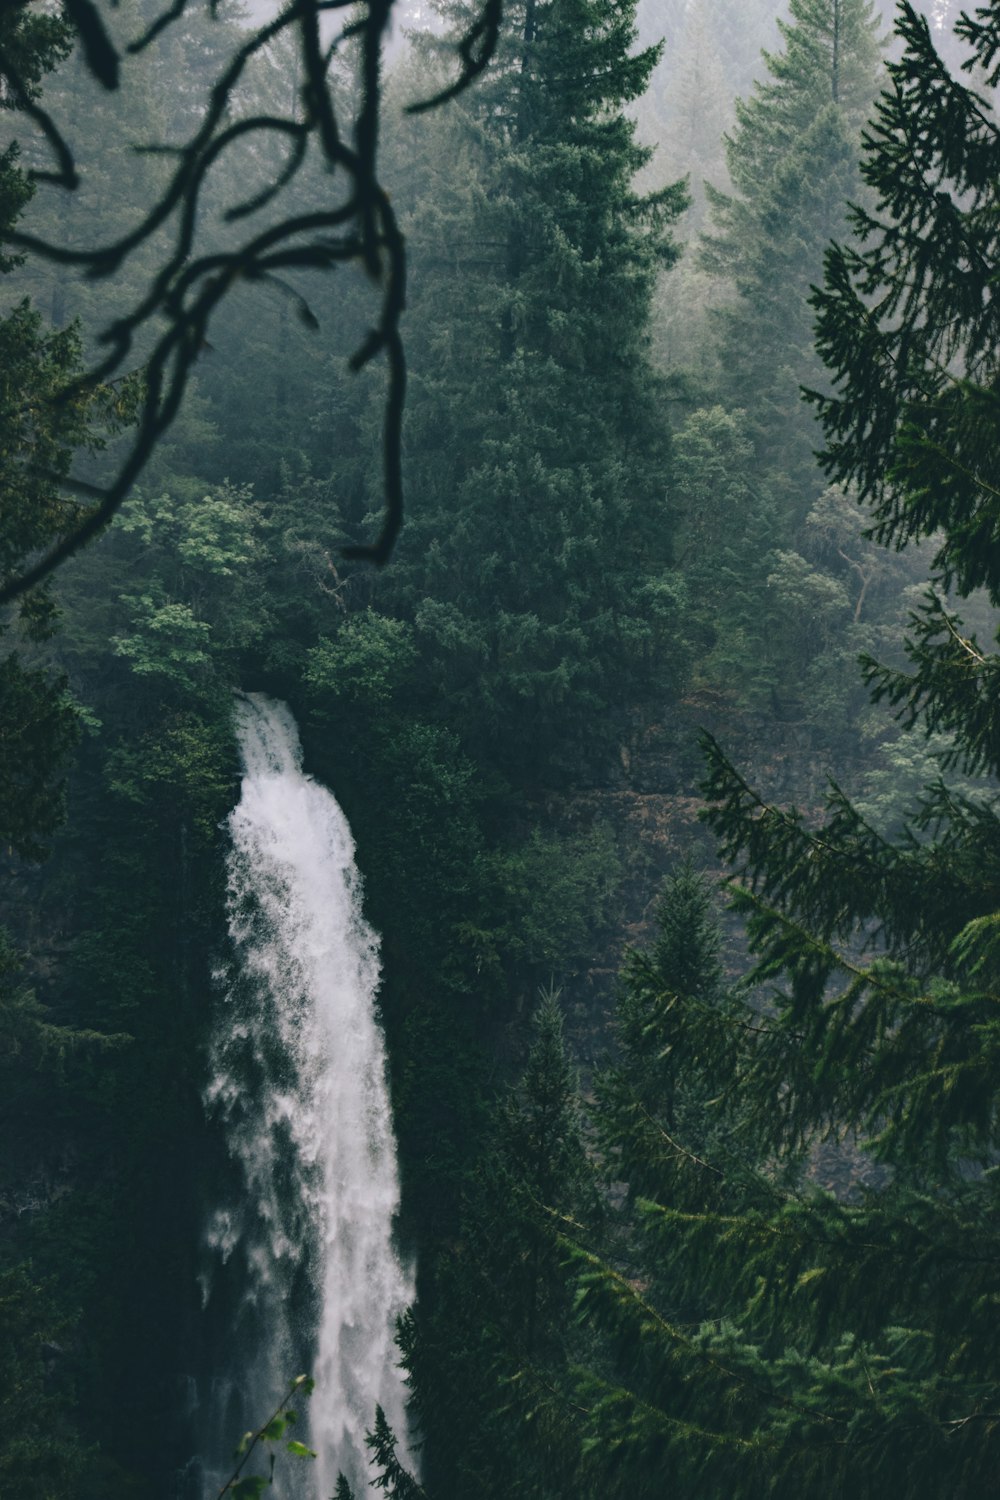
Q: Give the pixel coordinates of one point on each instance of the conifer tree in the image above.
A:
(489, 1356)
(38, 439)
(646, 1104)
(822, 1319)
(696, 110)
(537, 562)
(41, 1452)
(792, 160)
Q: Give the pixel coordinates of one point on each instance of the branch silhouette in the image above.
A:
(187, 289)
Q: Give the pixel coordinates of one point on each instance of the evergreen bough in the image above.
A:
(813, 1306)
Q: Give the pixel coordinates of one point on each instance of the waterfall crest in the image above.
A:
(298, 1078)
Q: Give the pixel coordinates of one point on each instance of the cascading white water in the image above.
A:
(298, 1078)
(942, 9)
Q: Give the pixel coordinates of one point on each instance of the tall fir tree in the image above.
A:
(489, 1351)
(536, 563)
(645, 1104)
(42, 1451)
(822, 1318)
(792, 160)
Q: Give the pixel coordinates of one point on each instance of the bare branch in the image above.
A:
(188, 288)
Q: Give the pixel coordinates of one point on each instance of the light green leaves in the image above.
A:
(252, 1486)
(299, 1449)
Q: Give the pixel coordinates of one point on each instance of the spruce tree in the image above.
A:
(489, 1352)
(792, 160)
(822, 1318)
(41, 1450)
(537, 559)
(38, 439)
(645, 1103)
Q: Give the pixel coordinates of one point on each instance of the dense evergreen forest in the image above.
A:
(665, 727)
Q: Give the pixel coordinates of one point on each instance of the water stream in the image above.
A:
(298, 1080)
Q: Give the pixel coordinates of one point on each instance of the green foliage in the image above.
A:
(488, 1355)
(30, 1042)
(39, 1454)
(39, 437)
(564, 565)
(44, 420)
(120, 944)
(537, 570)
(392, 1476)
(34, 43)
(190, 607)
(540, 1136)
(792, 159)
(367, 660)
(905, 323)
(953, 688)
(811, 1307)
(793, 1313)
(660, 1101)
(40, 728)
(49, 1053)
(895, 781)
(272, 1432)
(167, 640)
(782, 625)
(551, 896)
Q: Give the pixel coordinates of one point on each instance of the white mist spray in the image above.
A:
(298, 1078)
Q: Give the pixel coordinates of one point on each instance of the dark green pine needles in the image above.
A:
(812, 1160)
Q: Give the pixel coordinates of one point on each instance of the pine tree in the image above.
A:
(489, 1356)
(821, 1315)
(906, 321)
(37, 441)
(697, 110)
(646, 1104)
(392, 1477)
(792, 160)
(41, 1451)
(537, 562)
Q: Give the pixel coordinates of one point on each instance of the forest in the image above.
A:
(499, 728)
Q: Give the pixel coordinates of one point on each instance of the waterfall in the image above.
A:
(297, 1078)
(941, 14)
